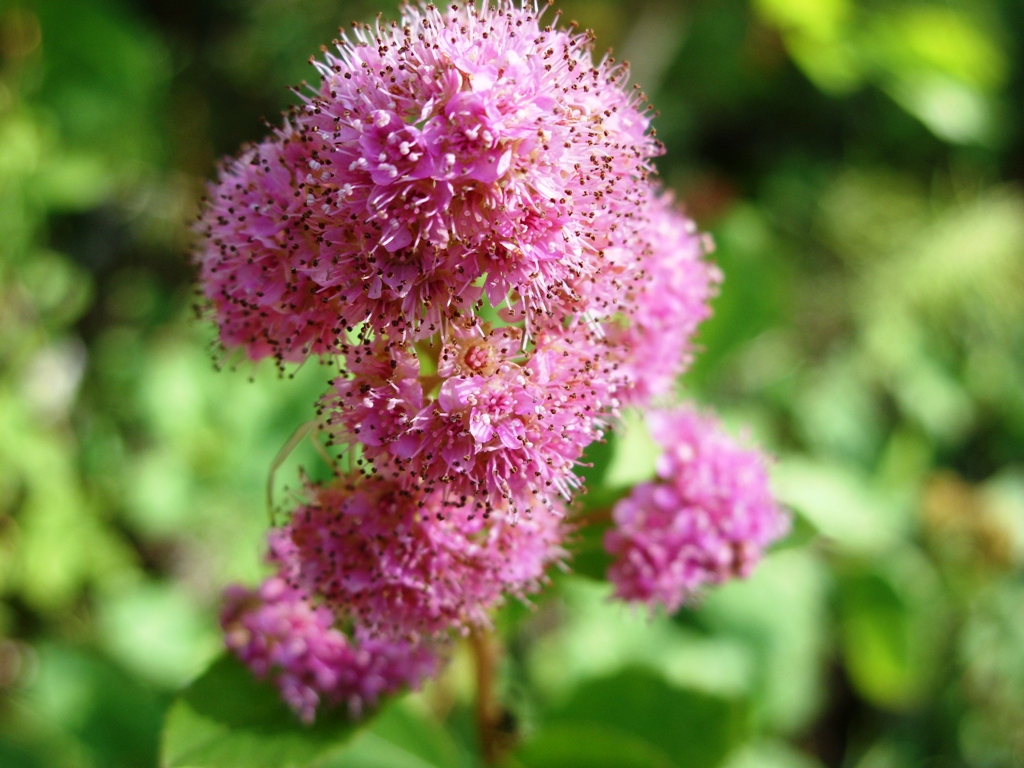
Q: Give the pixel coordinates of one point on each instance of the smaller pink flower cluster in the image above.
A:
(407, 564)
(278, 632)
(503, 420)
(706, 518)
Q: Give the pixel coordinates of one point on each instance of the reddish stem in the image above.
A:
(599, 516)
(485, 653)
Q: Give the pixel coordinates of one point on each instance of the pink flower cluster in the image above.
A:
(707, 517)
(407, 564)
(502, 420)
(278, 631)
(462, 215)
(452, 158)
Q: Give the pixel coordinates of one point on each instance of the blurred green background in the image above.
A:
(859, 163)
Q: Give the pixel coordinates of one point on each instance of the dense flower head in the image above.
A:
(255, 253)
(405, 563)
(453, 156)
(377, 401)
(497, 418)
(278, 632)
(669, 297)
(706, 518)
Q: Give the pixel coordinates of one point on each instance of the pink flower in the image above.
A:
(503, 421)
(512, 433)
(377, 402)
(279, 633)
(707, 517)
(668, 298)
(480, 132)
(405, 563)
(257, 253)
(453, 155)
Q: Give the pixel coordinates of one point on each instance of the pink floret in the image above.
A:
(406, 563)
(669, 299)
(500, 420)
(706, 518)
(257, 257)
(279, 633)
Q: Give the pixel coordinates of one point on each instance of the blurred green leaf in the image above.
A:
(887, 753)
(989, 650)
(780, 614)
(941, 66)
(576, 745)
(13, 756)
(837, 412)
(593, 468)
(876, 640)
(63, 542)
(695, 729)
(60, 289)
(401, 737)
(857, 164)
(940, 63)
(771, 754)
(893, 623)
(589, 557)
(81, 703)
(947, 39)
(157, 631)
(599, 637)
(817, 33)
(228, 719)
(839, 503)
(635, 453)
(753, 298)
(107, 96)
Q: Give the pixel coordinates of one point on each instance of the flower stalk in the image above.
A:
(488, 711)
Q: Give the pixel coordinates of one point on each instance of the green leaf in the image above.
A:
(601, 637)
(590, 746)
(12, 756)
(401, 737)
(893, 623)
(635, 453)
(158, 633)
(839, 502)
(770, 753)
(781, 615)
(593, 468)
(696, 729)
(589, 557)
(229, 719)
(81, 702)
